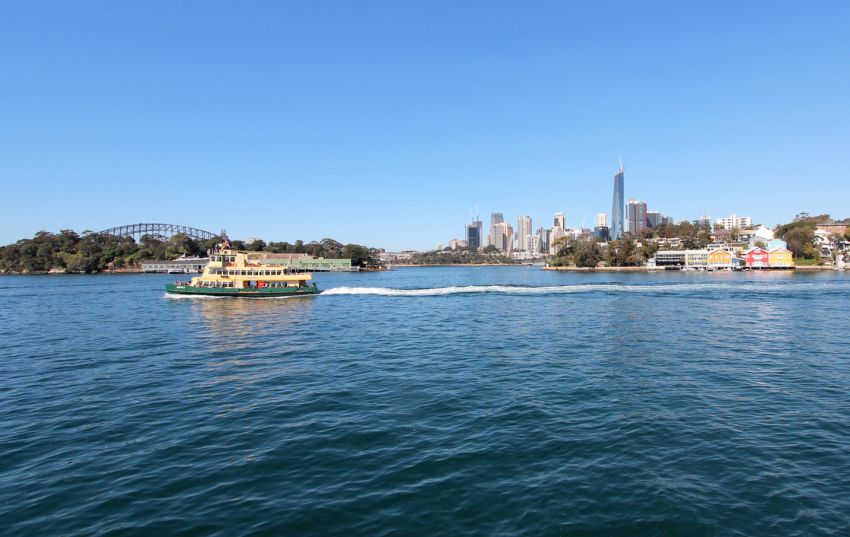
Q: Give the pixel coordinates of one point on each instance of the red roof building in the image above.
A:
(757, 258)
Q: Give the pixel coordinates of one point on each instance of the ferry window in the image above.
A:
(243, 273)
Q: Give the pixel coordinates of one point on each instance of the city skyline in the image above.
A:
(387, 115)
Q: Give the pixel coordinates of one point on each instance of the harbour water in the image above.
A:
(428, 401)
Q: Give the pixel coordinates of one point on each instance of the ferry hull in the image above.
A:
(248, 292)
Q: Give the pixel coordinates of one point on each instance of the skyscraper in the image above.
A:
(473, 234)
(495, 220)
(559, 220)
(635, 216)
(617, 209)
(601, 219)
(502, 235)
(523, 229)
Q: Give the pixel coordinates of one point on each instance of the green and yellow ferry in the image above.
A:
(232, 273)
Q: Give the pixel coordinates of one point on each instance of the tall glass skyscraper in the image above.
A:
(617, 207)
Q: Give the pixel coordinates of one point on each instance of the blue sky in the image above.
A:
(381, 122)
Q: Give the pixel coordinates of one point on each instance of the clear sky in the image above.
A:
(381, 122)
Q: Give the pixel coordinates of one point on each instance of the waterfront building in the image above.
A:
(617, 205)
(744, 222)
(454, 244)
(523, 230)
(757, 258)
(602, 220)
(696, 258)
(182, 264)
(719, 259)
(670, 258)
(307, 263)
(780, 258)
(687, 258)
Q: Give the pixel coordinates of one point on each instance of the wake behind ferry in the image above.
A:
(231, 273)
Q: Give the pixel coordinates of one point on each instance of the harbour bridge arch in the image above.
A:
(166, 230)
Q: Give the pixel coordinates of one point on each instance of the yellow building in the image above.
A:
(719, 259)
(781, 258)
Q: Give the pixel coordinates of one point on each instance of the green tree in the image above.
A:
(687, 234)
(359, 255)
(587, 254)
(489, 249)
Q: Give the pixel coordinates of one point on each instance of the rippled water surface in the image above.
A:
(428, 401)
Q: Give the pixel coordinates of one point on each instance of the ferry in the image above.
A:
(232, 273)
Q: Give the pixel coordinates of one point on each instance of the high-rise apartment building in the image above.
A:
(523, 230)
(617, 208)
(653, 218)
(635, 216)
(744, 222)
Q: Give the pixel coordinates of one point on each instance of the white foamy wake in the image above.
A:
(499, 289)
(687, 288)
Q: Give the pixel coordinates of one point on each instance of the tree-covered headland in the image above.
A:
(94, 252)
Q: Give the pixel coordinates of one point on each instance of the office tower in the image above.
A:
(602, 219)
(544, 240)
(601, 232)
(617, 209)
(704, 220)
(669, 220)
(557, 233)
(502, 235)
(523, 229)
(495, 219)
(473, 234)
(559, 220)
(439, 246)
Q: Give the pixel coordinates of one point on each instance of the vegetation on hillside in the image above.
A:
(461, 256)
(94, 252)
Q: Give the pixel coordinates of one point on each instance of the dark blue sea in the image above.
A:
(428, 401)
